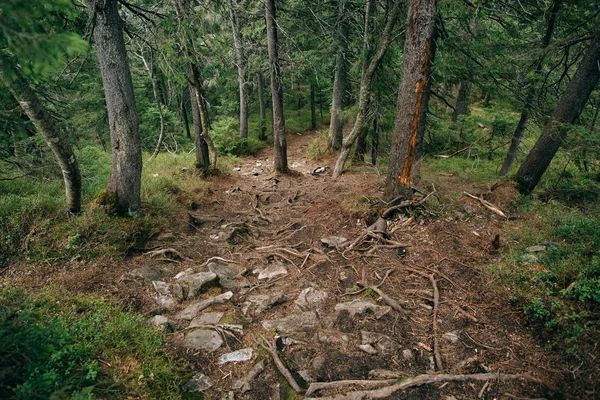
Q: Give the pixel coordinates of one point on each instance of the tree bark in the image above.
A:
(340, 80)
(202, 158)
(462, 100)
(186, 123)
(365, 89)
(375, 140)
(515, 142)
(241, 67)
(261, 104)
(313, 108)
(48, 128)
(123, 119)
(280, 156)
(150, 70)
(569, 107)
(411, 96)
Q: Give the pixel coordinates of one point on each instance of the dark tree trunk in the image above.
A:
(340, 80)
(280, 156)
(48, 128)
(313, 109)
(123, 119)
(202, 158)
(375, 140)
(261, 104)
(361, 147)
(515, 142)
(462, 100)
(241, 66)
(184, 115)
(569, 107)
(411, 94)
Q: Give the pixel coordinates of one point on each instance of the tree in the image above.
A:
(411, 94)
(202, 158)
(340, 78)
(241, 66)
(280, 156)
(123, 119)
(262, 135)
(568, 109)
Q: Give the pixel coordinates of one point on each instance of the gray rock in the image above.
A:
(211, 318)
(383, 343)
(293, 323)
(186, 272)
(536, 249)
(407, 354)
(362, 306)
(333, 241)
(148, 274)
(243, 384)
(202, 339)
(237, 356)
(333, 338)
(450, 337)
(198, 383)
(177, 292)
(227, 275)
(271, 271)
(306, 375)
(161, 287)
(165, 301)
(259, 303)
(310, 299)
(161, 323)
(193, 309)
(378, 374)
(195, 282)
(367, 348)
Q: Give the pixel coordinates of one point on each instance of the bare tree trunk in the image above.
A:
(511, 155)
(280, 156)
(569, 107)
(48, 128)
(261, 104)
(149, 69)
(375, 140)
(361, 147)
(202, 158)
(313, 109)
(241, 66)
(123, 119)
(340, 80)
(184, 115)
(462, 100)
(365, 89)
(411, 94)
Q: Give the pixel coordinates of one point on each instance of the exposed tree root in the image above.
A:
(166, 252)
(436, 344)
(272, 350)
(316, 386)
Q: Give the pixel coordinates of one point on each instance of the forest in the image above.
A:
(284, 199)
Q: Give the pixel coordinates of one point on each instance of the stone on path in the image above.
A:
(367, 348)
(293, 323)
(203, 339)
(310, 298)
(271, 271)
(193, 309)
(237, 356)
(359, 307)
(227, 275)
(380, 374)
(148, 273)
(450, 337)
(383, 343)
(185, 272)
(243, 383)
(161, 287)
(161, 323)
(333, 338)
(198, 383)
(195, 282)
(407, 354)
(262, 302)
(211, 318)
(333, 241)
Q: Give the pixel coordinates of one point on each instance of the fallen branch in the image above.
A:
(404, 204)
(316, 386)
(219, 259)
(272, 350)
(387, 299)
(164, 252)
(436, 344)
(464, 313)
(488, 205)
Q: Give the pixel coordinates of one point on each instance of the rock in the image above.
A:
(177, 292)
(243, 384)
(161, 323)
(183, 273)
(361, 306)
(310, 298)
(195, 282)
(227, 275)
(333, 241)
(306, 375)
(271, 271)
(378, 374)
(161, 287)
(536, 249)
(527, 259)
(383, 343)
(333, 338)
(450, 337)
(211, 318)
(148, 274)
(198, 383)
(193, 309)
(237, 356)
(293, 323)
(165, 301)
(367, 348)
(407, 354)
(259, 303)
(202, 339)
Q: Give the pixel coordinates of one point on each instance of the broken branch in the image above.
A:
(488, 205)
(272, 350)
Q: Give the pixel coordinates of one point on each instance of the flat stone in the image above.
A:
(450, 337)
(195, 282)
(311, 298)
(194, 308)
(333, 338)
(165, 301)
(148, 274)
(333, 241)
(243, 384)
(161, 323)
(293, 323)
(227, 275)
(383, 343)
(378, 374)
(536, 249)
(367, 348)
(407, 354)
(161, 287)
(237, 356)
(264, 302)
(359, 307)
(177, 292)
(185, 272)
(198, 383)
(271, 271)
(203, 339)
(210, 318)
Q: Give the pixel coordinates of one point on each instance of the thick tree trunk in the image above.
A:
(411, 95)
(340, 80)
(123, 119)
(462, 100)
(202, 158)
(313, 108)
(261, 105)
(569, 107)
(241, 66)
(48, 128)
(365, 89)
(280, 156)
(511, 155)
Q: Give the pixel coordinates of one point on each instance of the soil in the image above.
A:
(255, 219)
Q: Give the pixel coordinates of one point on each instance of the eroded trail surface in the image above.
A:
(286, 265)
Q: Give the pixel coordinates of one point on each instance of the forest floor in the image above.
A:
(326, 309)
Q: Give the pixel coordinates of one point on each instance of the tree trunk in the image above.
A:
(375, 140)
(241, 66)
(280, 156)
(365, 89)
(462, 100)
(361, 147)
(340, 80)
(515, 142)
(261, 104)
(48, 128)
(569, 107)
(202, 159)
(149, 69)
(123, 119)
(411, 96)
(184, 115)
(313, 109)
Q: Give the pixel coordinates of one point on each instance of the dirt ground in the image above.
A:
(430, 261)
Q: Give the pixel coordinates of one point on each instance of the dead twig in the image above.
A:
(316, 386)
(165, 252)
(464, 313)
(219, 259)
(272, 350)
(436, 303)
(488, 205)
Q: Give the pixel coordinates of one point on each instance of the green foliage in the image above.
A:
(225, 133)
(57, 346)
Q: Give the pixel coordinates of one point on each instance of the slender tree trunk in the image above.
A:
(280, 156)
(361, 147)
(202, 158)
(365, 89)
(569, 107)
(48, 128)
(313, 109)
(515, 142)
(184, 115)
(241, 66)
(123, 119)
(340, 80)
(261, 104)
(149, 69)
(462, 100)
(411, 94)
(375, 140)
